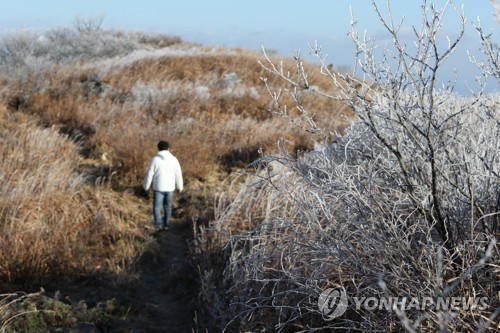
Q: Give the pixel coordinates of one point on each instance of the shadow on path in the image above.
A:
(167, 287)
(160, 299)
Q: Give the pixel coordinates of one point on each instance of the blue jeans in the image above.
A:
(162, 199)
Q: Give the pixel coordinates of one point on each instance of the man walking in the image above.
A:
(164, 172)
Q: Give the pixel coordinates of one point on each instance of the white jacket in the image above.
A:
(164, 172)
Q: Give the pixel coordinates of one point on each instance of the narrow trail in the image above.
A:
(160, 299)
(167, 286)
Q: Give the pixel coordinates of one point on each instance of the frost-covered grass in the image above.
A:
(36, 50)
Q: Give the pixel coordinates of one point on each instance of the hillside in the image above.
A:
(210, 102)
(314, 200)
(82, 109)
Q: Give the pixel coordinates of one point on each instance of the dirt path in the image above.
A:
(167, 286)
(161, 298)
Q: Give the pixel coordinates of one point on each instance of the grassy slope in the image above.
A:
(79, 135)
(212, 105)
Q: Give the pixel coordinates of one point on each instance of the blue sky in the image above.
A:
(283, 25)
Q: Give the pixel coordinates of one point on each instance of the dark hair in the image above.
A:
(163, 145)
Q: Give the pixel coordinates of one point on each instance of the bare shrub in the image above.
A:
(492, 65)
(405, 204)
(30, 51)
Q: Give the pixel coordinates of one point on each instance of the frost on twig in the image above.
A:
(408, 196)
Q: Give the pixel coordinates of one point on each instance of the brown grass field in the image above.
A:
(76, 138)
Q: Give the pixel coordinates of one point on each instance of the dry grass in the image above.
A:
(214, 109)
(53, 223)
(97, 120)
(90, 123)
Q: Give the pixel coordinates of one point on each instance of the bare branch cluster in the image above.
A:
(406, 204)
(491, 67)
(28, 51)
